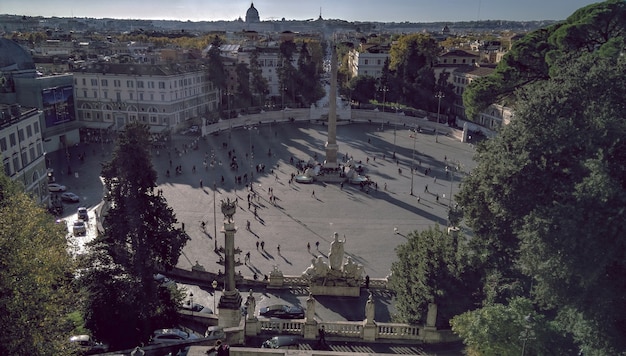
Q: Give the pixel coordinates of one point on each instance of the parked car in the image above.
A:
(197, 308)
(282, 342)
(70, 197)
(79, 228)
(214, 333)
(82, 213)
(55, 187)
(87, 346)
(170, 336)
(282, 311)
(164, 281)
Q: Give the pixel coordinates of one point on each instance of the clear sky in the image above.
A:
(349, 10)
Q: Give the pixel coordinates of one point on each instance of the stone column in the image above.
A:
(230, 302)
(331, 144)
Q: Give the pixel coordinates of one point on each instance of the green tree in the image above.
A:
(548, 196)
(362, 88)
(124, 303)
(431, 268)
(410, 60)
(598, 27)
(217, 71)
(287, 72)
(507, 329)
(308, 83)
(36, 293)
(260, 86)
(244, 92)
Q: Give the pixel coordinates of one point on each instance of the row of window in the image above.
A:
(141, 95)
(14, 138)
(117, 83)
(27, 155)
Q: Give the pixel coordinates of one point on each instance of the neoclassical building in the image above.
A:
(166, 97)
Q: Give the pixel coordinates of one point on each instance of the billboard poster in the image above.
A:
(58, 105)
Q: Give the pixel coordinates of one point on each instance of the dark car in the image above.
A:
(282, 311)
(82, 214)
(85, 345)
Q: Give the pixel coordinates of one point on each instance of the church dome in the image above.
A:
(14, 57)
(252, 15)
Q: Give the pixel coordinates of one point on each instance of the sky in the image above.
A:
(349, 10)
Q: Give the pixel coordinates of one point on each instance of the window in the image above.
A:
(104, 82)
(84, 81)
(118, 96)
(85, 94)
(36, 125)
(162, 97)
(366, 62)
(131, 95)
(20, 134)
(39, 149)
(129, 83)
(94, 82)
(3, 144)
(12, 140)
(140, 96)
(31, 151)
(29, 131)
(151, 85)
(152, 97)
(161, 85)
(117, 83)
(140, 84)
(95, 94)
(7, 167)
(106, 95)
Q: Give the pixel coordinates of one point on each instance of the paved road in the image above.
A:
(366, 219)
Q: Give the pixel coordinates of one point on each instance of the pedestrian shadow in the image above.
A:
(286, 260)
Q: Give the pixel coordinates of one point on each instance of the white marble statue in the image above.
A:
(336, 252)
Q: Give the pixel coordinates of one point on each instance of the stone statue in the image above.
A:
(336, 253)
(229, 209)
(317, 269)
(310, 307)
(251, 305)
(369, 309)
(352, 269)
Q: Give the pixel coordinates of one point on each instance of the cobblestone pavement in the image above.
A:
(305, 214)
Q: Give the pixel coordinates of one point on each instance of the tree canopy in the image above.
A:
(124, 303)
(36, 292)
(548, 198)
(432, 268)
(598, 28)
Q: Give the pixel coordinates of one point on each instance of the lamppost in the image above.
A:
(191, 302)
(439, 95)
(214, 285)
(413, 163)
(384, 90)
(214, 216)
(527, 334)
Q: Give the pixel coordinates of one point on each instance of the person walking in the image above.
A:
(313, 193)
(317, 245)
(257, 245)
(308, 246)
(278, 249)
(263, 245)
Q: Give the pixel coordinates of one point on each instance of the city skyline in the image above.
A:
(349, 10)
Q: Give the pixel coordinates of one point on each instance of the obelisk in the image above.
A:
(331, 145)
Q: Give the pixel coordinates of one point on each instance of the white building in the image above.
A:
(367, 62)
(21, 149)
(166, 97)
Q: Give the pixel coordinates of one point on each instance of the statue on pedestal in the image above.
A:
(369, 309)
(250, 306)
(335, 256)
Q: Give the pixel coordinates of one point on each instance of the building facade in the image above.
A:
(21, 149)
(166, 97)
